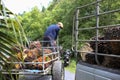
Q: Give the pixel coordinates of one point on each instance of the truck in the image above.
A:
(29, 60)
(96, 41)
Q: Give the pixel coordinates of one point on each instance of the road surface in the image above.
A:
(69, 75)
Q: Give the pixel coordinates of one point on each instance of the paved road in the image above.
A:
(68, 76)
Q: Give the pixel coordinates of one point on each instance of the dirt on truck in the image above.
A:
(97, 41)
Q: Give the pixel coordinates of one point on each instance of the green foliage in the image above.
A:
(11, 34)
(72, 66)
(7, 41)
(35, 22)
(32, 24)
(66, 41)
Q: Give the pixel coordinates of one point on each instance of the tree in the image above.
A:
(64, 11)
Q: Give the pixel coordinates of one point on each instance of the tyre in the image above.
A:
(58, 71)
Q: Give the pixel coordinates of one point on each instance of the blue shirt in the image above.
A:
(52, 31)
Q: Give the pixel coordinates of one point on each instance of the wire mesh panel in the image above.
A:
(35, 59)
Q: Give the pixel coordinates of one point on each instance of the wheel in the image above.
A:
(58, 71)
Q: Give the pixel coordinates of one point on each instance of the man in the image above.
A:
(51, 34)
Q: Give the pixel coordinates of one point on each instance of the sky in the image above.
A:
(19, 6)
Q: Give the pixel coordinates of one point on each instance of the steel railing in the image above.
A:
(97, 15)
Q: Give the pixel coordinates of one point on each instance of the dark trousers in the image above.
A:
(48, 42)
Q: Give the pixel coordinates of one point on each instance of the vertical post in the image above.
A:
(76, 31)
(58, 49)
(97, 30)
(73, 33)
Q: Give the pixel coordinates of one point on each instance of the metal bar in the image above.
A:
(19, 70)
(51, 53)
(48, 47)
(100, 27)
(86, 17)
(33, 62)
(97, 31)
(24, 70)
(76, 32)
(89, 4)
(102, 54)
(73, 32)
(99, 40)
(107, 12)
(27, 71)
(26, 62)
(112, 11)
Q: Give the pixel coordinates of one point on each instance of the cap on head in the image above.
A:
(60, 24)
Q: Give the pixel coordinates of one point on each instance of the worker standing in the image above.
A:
(51, 34)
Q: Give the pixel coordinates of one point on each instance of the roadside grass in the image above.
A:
(72, 66)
